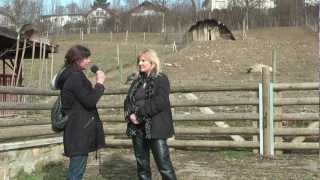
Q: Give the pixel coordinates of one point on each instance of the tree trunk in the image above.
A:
(194, 10)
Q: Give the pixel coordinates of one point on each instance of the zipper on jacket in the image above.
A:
(89, 122)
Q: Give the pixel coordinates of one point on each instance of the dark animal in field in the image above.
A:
(213, 24)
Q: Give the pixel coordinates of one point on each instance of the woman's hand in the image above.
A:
(100, 77)
(133, 118)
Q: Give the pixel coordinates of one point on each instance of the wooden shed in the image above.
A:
(17, 47)
(209, 30)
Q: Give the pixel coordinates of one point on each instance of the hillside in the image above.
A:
(222, 60)
(217, 61)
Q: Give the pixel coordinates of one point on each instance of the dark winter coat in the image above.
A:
(156, 106)
(84, 131)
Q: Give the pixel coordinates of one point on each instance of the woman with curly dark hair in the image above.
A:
(83, 132)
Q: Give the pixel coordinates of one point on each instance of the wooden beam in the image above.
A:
(300, 139)
(16, 121)
(296, 146)
(116, 143)
(40, 130)
(296, 86)
(296, 131)
(267, 152)
(296, 101)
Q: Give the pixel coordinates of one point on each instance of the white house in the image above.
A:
(223, 4)
(4, 18)
(61, 20)
(98, 14)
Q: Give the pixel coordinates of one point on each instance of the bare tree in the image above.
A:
(132, 3)
(194, 9)
(60, 10)
(163, 3)
(72, 8)
(116, 4)
(84, 5)
(23, 11)
(53, 6)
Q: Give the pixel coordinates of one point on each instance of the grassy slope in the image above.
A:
(217, 61)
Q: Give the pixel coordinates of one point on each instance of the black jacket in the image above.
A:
(157, 107)
(84, 131)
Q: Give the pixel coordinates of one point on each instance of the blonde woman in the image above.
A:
(149, 118)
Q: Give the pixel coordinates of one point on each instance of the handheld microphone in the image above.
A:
(94, 68)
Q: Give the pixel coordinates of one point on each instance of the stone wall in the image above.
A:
(11, 162)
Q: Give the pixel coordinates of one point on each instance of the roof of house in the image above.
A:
(105, 7)
(56, 15)
(149, 6)
(85, 14)
(4, 11)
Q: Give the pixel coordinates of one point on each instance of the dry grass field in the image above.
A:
(217, 61)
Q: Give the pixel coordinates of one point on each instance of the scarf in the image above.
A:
(148, 82)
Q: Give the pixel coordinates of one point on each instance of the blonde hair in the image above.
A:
(151, 55)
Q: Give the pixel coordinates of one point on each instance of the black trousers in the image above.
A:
(161, 155)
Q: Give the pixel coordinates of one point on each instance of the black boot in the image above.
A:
(141, 152)
(160, 151)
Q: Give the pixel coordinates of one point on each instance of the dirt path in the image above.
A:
(208, 165)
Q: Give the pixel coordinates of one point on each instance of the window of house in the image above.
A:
(221, 4)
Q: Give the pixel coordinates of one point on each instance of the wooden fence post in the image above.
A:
(319, 67)
(135, 50)
(15, 60)
(266, 113)
(21, 63)
(127, 34)
(277, 95)
(174, 47)
(119, 63)
(51, 70)
(40, 62)
(32, 61)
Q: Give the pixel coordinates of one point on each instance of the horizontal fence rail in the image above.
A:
(176, 103)
(174, 89)
(8, 122)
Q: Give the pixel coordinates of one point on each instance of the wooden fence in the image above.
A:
(198, 123)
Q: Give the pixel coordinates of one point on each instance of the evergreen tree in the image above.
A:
(100, 3)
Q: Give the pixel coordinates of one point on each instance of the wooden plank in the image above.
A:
(296, 86)
(296, 146)
(300, 139)
(127, 143)
(296, 131)
(175, 88)
(207, 110)
(16, 121)
(40, 130)
(267, 152)
(177, 103)
(296, 101)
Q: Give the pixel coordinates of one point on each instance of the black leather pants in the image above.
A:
(160, 151)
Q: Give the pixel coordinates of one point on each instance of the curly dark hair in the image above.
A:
(76, 53)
